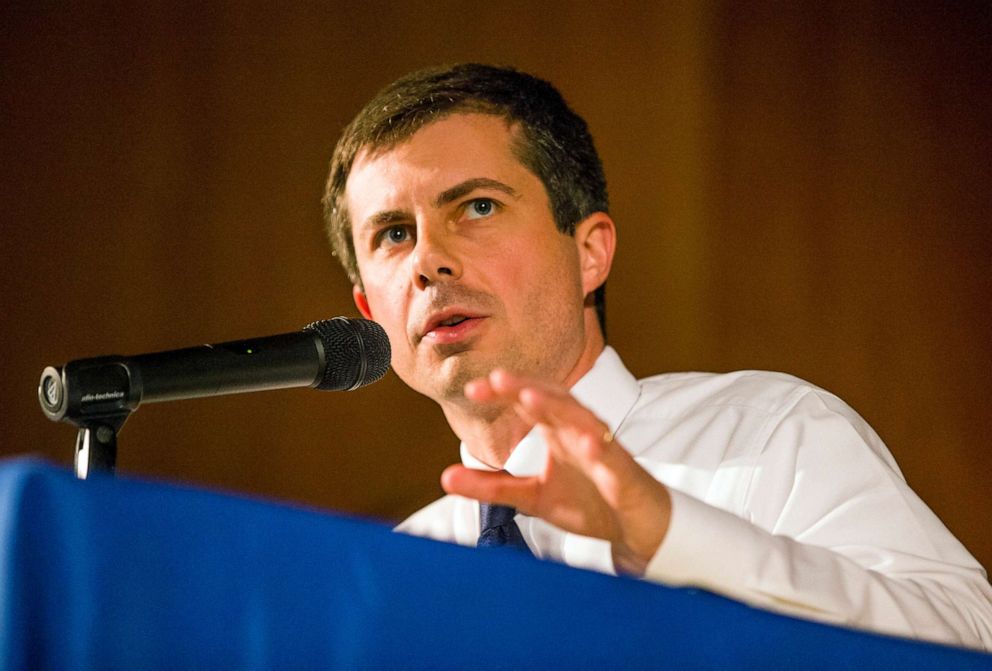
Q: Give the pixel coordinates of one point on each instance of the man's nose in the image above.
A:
(434, 256)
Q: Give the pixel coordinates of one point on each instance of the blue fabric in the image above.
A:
(124, 574)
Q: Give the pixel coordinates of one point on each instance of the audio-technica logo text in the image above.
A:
(103, 396)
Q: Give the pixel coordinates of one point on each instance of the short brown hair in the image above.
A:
(554, 142)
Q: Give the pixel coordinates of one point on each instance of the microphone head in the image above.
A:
(356, 352)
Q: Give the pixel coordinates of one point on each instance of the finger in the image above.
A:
(561, 412)
(491, 487)
(584, 452)
(499, 385)
(480, 391)
(512, 387)
(507, 384)
(495, 387)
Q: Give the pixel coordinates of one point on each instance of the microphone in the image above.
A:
(337, 354)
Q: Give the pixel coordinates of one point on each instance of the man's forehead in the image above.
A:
(466, 117)
(475, 132)
(439, 155)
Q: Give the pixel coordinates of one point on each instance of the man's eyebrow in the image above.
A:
(390, 217)
(385, 218)
(469, 185)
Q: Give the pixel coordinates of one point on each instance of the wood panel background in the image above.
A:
(798, 188)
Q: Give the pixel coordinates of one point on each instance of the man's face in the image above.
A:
(461, 261)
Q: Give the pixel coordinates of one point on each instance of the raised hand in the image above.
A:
(590, 486)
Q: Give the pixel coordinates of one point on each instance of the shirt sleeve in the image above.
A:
(829, 529)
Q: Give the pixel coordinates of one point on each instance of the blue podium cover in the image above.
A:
(123, 574)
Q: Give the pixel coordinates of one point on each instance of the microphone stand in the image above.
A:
(96, 441)
(96, 445)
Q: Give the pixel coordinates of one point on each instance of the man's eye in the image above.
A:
(394, 235)
(480, 208)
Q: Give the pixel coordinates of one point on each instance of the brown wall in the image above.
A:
(801, 189)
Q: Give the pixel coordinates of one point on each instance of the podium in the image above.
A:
(126, 574)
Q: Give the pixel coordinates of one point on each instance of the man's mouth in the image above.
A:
(452, 327)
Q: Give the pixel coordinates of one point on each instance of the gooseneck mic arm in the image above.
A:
(98, 394)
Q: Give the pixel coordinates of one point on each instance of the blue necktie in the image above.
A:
(499, 529)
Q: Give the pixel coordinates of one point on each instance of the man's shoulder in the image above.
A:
(757, 390)
(747, 409)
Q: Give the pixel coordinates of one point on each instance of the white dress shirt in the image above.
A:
(782, 497)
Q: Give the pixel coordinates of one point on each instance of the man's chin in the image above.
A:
(455, 371)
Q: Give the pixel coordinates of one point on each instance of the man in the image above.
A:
(469, 208)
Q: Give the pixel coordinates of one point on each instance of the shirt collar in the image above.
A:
(608, 389)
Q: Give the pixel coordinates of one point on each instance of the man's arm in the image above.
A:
(817, 566)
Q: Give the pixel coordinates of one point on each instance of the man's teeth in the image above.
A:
(453, 321)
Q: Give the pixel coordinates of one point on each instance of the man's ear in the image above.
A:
(361, 302)
(596, 239)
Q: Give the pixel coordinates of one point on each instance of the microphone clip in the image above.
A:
(99, 415)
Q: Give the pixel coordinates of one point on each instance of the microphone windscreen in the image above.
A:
(356, 352)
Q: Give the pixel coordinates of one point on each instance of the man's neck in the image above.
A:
(489, 439)
(490, 434)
